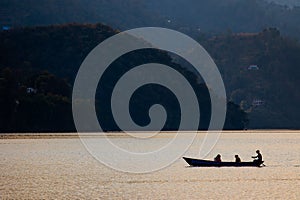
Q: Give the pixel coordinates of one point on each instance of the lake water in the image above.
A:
(63, 169)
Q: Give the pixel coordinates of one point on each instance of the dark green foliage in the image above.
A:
(275, 83)
(37, 102)
(150, 94)
(8, 94)
(234, 116)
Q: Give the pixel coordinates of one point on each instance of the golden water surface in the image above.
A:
(48, 167)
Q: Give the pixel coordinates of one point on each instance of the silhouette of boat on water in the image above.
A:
(208, 163)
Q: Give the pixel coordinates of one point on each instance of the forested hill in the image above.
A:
(190, 16)
(38, 66)
(261, 73)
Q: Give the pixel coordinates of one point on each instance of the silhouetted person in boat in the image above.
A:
(258, 157)
(218, 158)
(237, 159)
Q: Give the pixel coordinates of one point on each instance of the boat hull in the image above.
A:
(207, 163)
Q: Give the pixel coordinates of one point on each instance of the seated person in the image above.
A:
(237, 159)
(218, 158)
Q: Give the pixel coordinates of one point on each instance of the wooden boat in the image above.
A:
(208, 163)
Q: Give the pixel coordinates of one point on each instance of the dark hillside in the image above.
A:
(38, 66)
(261, 73)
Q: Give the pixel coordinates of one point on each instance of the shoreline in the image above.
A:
(75, 135)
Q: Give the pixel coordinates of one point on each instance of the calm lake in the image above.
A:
(62, 168)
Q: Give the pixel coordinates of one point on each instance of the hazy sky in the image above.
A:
(287, 2)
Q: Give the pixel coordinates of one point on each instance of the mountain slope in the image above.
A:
(185, 15)
(261, 73)
(38, 66)
(233, 15)
(273, 84)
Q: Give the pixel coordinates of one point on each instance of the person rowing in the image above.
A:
(258, 158)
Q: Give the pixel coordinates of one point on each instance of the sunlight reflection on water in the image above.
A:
(62, 168)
